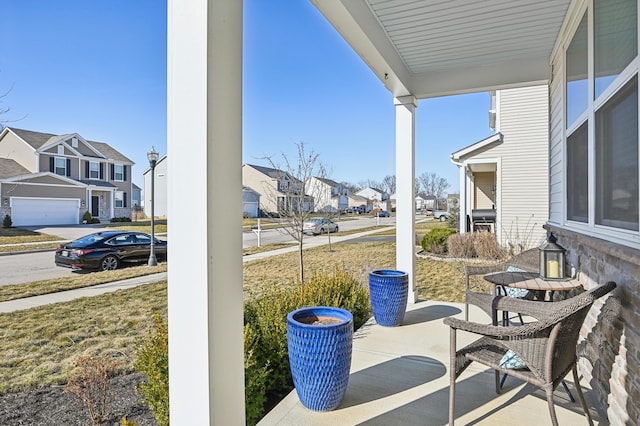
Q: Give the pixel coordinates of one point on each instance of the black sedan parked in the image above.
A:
(108, 250)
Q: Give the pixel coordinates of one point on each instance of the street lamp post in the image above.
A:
(152, 156)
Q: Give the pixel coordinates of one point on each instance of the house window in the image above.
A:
(578, 175)
(617, 160)
(60, 166)
(577, 66)
(118, 172)
(94, 170)
(602, 148)
(119, 199)
(615, 29)
(60, 149)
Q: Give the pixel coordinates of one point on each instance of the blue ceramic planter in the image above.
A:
(319, 341)
(388, 291)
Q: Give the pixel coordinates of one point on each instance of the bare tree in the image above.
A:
(369, 183)
(388, 184)
(434, 185)
(292, 198)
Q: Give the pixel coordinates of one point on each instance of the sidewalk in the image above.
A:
(65, 296)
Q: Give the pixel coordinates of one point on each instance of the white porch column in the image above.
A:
(405, 188)
(112, 202)
(206, 368)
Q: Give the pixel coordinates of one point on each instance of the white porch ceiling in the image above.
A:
(429, 48)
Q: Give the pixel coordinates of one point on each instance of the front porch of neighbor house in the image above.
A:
(400, 376)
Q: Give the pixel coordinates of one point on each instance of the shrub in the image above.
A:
(152, 359)
(120, 219)
(435, 241)
(94, 220)
(7, 222)
(91, 384)
(86, 217)
(125, 422)
(266, 337)
(483, 245)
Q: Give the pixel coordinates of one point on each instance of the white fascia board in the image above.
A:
(358, 26)
(482, 78)
(17, 179)
(496, 137)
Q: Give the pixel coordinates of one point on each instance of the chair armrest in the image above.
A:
(482, 270)
(497, 331)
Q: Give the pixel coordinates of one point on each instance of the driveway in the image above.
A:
(65, 232)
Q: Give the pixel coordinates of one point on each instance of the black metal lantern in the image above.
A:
(551, 259)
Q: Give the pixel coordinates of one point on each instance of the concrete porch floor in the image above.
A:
(399, 376)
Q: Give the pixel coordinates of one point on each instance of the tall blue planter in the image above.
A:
(320, 355)
(388, 292)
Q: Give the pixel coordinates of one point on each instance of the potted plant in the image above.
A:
(320, 340)
(388, 292)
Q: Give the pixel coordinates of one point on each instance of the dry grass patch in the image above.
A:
(84, 279)
(255, 249)
(29, 247)
(39, 345)
(21, 236)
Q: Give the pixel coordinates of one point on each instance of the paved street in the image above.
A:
(279, 236)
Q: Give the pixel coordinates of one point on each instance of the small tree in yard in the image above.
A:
(294, 203)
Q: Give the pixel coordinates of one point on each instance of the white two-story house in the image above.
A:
(329, 196)
(48, 179)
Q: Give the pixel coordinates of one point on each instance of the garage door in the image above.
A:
(44, 211)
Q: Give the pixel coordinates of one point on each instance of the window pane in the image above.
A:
(94, 170)
(616, 39)
(61, 166)
(578, 175)
(577, 86)
(119, 197)
(617, 160)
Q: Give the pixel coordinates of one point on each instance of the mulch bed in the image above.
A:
(52, 406)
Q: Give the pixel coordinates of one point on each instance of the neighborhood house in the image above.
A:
(48, 179)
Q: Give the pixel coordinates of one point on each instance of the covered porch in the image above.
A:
(417, 50)
(399, 376)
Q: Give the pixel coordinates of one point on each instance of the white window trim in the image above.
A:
(91, 163)
(115, 199)
(115, 172)
(616, 235)
(55, 166)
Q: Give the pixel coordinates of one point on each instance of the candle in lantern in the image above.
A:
(553, 269)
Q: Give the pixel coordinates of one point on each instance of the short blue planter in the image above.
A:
(320, 340)
(388, 292)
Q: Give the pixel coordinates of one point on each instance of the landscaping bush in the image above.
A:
(86, 217)
(266, 358)
(120, 219)
(435, 241)
(7, 222)
(94, 220)
(482, 245)
(90, 383)
(152, 359)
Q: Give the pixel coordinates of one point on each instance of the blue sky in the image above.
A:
(98, 68)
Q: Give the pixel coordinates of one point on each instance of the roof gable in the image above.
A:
(475, 148)
(46, 178)
(46, 142)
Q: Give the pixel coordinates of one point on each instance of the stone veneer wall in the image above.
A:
(610, 345)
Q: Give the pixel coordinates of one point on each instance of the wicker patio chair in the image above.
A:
(547, 346)
(527, 260)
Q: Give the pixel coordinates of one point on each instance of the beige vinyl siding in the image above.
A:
(524, 174)
(44, 191)
(14, 148)
(484, 190)
(556, 175)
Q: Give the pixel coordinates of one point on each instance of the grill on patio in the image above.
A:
(483, 219)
